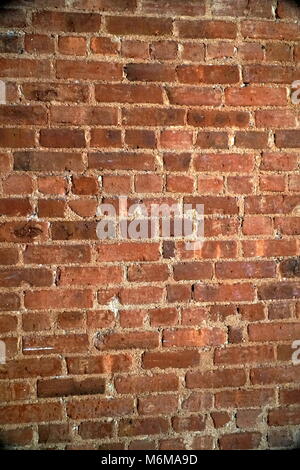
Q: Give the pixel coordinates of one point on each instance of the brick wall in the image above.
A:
(143, 344)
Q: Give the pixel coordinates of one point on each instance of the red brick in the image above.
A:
(244, 355)
(149, 183)
(215, 379)
(253, 248)
(51, 208)
(278, 52)
(9, 256)
(207, 139)
(90, 276)
(236, 8)
(275, 375)
(178, 293)
(210, 185)
(180, 184)
(126, 251)
(67, 22)
(294, 183)
(193, 338)
(256, 96)
(60, 387)
(58, 299)
(72, 45)
(104, 45)
(52, 91)
(62, 138)
(138, 138)
(27, 232)
(284, 416)
(175, 7)
(252, 139)
(19, 437)
(176, 140)
(121, 161)
(193, 52)
(15, 391)
(45, 254)
(211, 74)
(248, 418)
(272, 183)
(206, 29)
(209, 118)
(193, 96)
(269, 74)
(134, 49)
(224, 162)
(54, 433)
(211, 249)
(257, 225)
(11, 44)
(269, 119)
(116, 184)
(104, 364)
(148, 272)
(269, 30)
(173, 359)
(240, 184)
(84, 208)
(156, 405)
(95, 430)
(30, 277)
(30, 413)
(146, 383)
(25, 68)
(164, 50)
(188, 423)
(44, 345)
(17, 138)
(88, 70)
(129, 340)
(287, 139)
(145, 26)
(273, 332)
(177, 162)
(17, 184)
(39, 43)
(145, 426)
(245, 270)
(244, 398)
(106, 5)
(97, 408)
(150, 72)
(240, 441)
(128, 93)
(220, 418)
(106, 138)
(224, 292)
(220, 50)
(163, 316)
(192, 271)
(250, 51)
(282, 290)
(202, 443)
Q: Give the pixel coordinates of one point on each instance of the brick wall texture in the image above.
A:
(142, 344)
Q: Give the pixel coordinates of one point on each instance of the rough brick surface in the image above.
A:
(143, 344)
